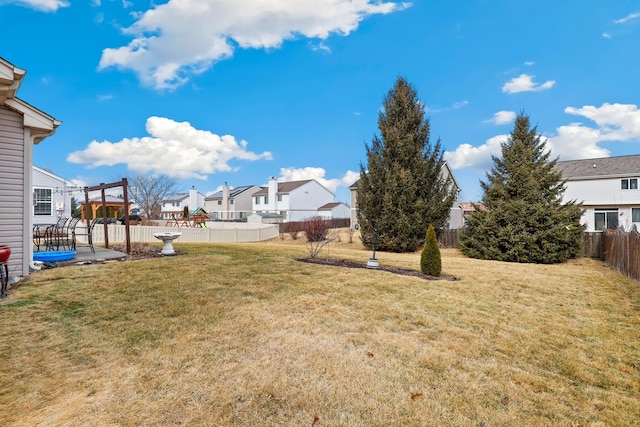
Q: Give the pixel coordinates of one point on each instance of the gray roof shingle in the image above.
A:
(283, 187)
(606, 167)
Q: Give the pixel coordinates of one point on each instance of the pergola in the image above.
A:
(96, 204)
(103, 203)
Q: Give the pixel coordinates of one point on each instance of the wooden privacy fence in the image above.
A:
(622, 251)
(591, 248)
(449, 238)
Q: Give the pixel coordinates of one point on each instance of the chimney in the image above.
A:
(272, 194)
(193, 199)
(225, 201)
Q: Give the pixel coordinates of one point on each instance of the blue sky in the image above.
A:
(236, 91)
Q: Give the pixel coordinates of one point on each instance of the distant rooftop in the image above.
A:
(283, 187)
(234, 192)
(600, 168)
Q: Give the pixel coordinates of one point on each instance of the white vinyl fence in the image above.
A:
(215, 232)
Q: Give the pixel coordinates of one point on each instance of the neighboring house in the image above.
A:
(335, 210)
(468, 208)
(231, 204)
(456, 219)
(609, 189)
(21, 127)
(264, 218)
(51, 197)
(293, 200)
(177, 202)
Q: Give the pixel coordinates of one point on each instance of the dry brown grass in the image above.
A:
(245, 335)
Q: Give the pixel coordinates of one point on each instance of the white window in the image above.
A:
(219, 202)
(635, 214)
(42, 201)
(283, 214)
(230, 201)
(279, 197)
(629, 184)
(266, 200)
(606, 219)
(257, 200)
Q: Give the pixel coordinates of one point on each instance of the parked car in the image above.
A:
(132, 219)
(109, 220)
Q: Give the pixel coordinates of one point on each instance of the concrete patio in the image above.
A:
(84, 254)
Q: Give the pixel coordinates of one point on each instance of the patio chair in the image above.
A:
(88, 232)
(53, 235)
(67, 238)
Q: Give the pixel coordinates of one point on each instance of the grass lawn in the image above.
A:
(244, 334)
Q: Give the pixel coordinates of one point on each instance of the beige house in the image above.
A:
(21, 127)
(231, 204)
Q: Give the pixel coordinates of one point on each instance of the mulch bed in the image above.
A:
(395, 270)
(139, 251)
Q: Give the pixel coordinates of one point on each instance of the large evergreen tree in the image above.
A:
(525, 220)
(402, 189)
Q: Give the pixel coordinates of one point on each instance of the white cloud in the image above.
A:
(178, 39)
(606, 35)
(42, 5)
(502, 117)
(613, 123)
(468, 156)
(320, 47)
(575, 141)
(524, 83)
(459, 104)
(529, 63)
(173, 148)
(299, 174)
(630, 17)
(455, 106)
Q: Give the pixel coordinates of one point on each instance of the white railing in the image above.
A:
(213, 233)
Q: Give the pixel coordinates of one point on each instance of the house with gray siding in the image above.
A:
(22, 126)
(51, 197)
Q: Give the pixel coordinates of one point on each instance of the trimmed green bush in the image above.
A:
(430, 258)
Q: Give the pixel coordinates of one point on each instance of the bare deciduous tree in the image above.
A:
(149, 192)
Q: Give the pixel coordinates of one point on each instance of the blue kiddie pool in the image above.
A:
(53, 256)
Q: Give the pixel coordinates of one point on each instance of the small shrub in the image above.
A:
(319, 234)
(292, 229)
(316, 228)
(430, 258)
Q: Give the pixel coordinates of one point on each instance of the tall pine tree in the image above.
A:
(525, 220)
(402, 189)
